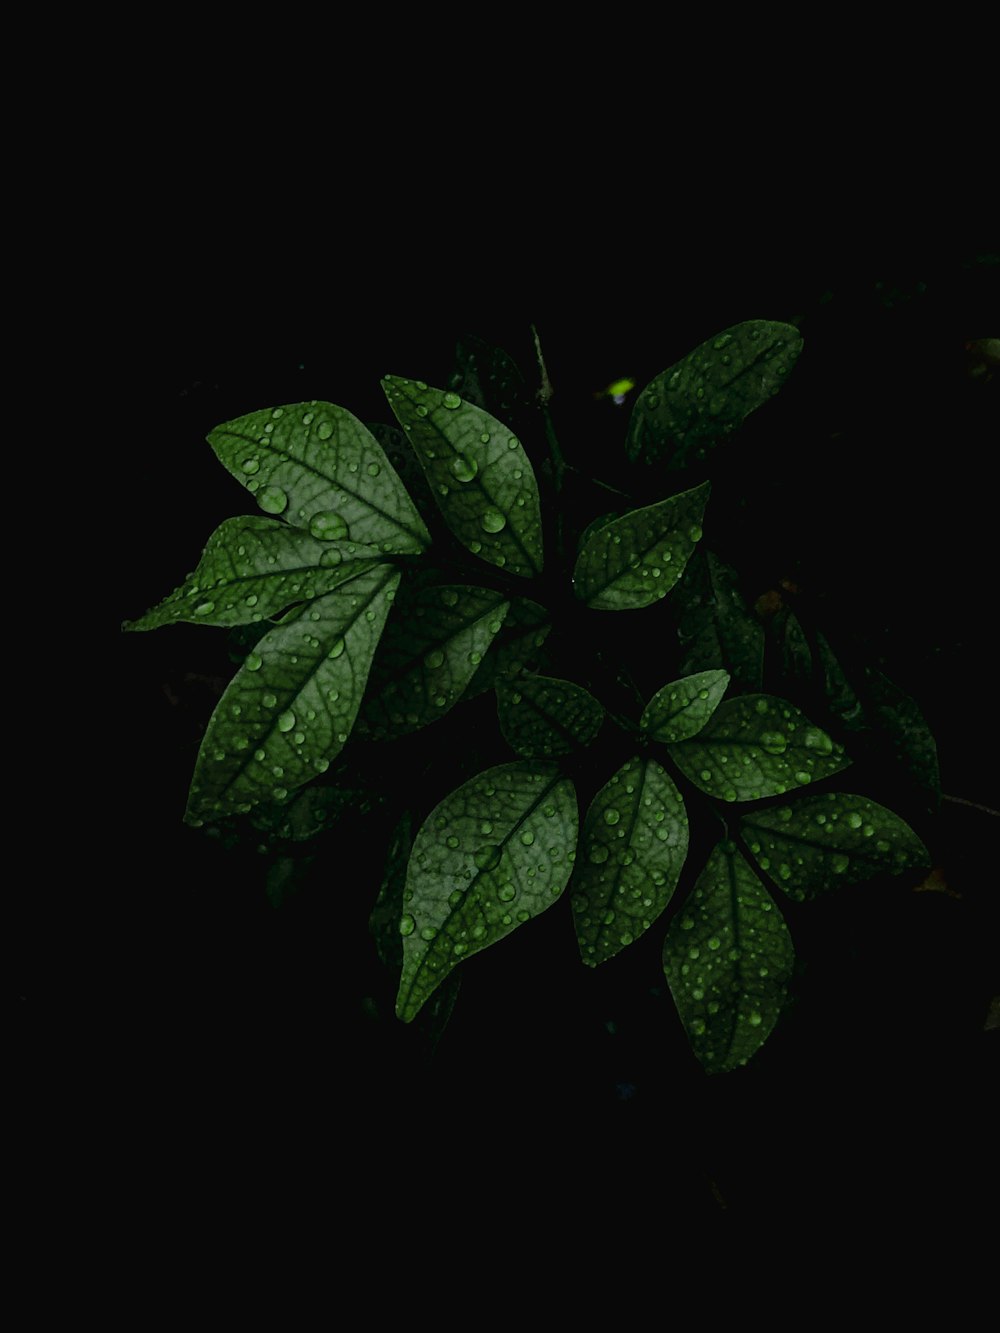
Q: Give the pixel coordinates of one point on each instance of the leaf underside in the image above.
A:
(632, 850)
(689, 408)
(493, 854)
(728, 959)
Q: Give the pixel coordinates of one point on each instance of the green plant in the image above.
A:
(360, 617)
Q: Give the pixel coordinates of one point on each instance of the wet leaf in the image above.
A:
(680, 710)
(385, 915)
(479, 475)
(289, 710)
(432, 647)
(495, 853)
(728, 959)
(632, 849)
(319, 468)
(543, 716)
(255, 567)
(489, 377)
(822, 842)
(757, 746)
(635, 560)
(685, 411)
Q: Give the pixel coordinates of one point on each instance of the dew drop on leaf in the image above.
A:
(273, 500)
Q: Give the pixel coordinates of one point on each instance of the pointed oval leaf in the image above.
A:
(495, 853)
(728, 960)
(478, 472)
(255, 567)
(542, 716)
(522, 635)
(680, 710)
(635, 560)
(792, 647)
(319, 468)
(757, 746)
(431, 649)
(490, 378)
(288, 711)
(716, 629)
(896, 715)
(821, 842)
(685, 411)
(632, 850)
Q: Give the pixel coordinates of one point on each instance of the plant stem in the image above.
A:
(972, 805)
(555, 453)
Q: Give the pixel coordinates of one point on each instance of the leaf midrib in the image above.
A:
(624, 520)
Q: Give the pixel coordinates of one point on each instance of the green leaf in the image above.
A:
(728, 960)
(430, 651)
(517, 646)
(680, 710)
(252, 568)
(493, 854)
(820, 842)
(542, 716)
(716, 629)
(633, 845)
(319, 468)
(636, 559)
(478, 472)
(841, 697)
(757, 746)
(290, 708)
(685, 411)
(313, 809)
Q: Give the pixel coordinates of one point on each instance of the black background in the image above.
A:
(268, 1045)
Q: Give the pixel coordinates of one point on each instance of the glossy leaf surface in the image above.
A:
(254, 567)
(320, 468)
(495, 853)
(635, 560)
(632, 849)
(728, 959)
(680, 710)
(818, 843)
(478, 472)
(757, 746)
(686, 410)
(290, 708)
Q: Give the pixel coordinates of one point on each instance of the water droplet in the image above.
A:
(774, 742)
(598, 854)
(279, 793)
(269, 700)
(527, 837)
(714, 942)
(493, 521)
(818, 740)
(324, 430)
(754, 1019)
(250, 466)
(286, 721)
(273, 500)
(205, 609)
(336, 648)
(687, 923)
(434, 659)
(428, 933)
(487, 857)
(839, 862)
(611, 816)
(328, 527)
(449, 596)
(407, 925)
(854, 819)
(451, 400)
(695, 533)
(464, 469)
(373, 469)
(803, 777)
(451, 841)
(506, 892)
(723, 340)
